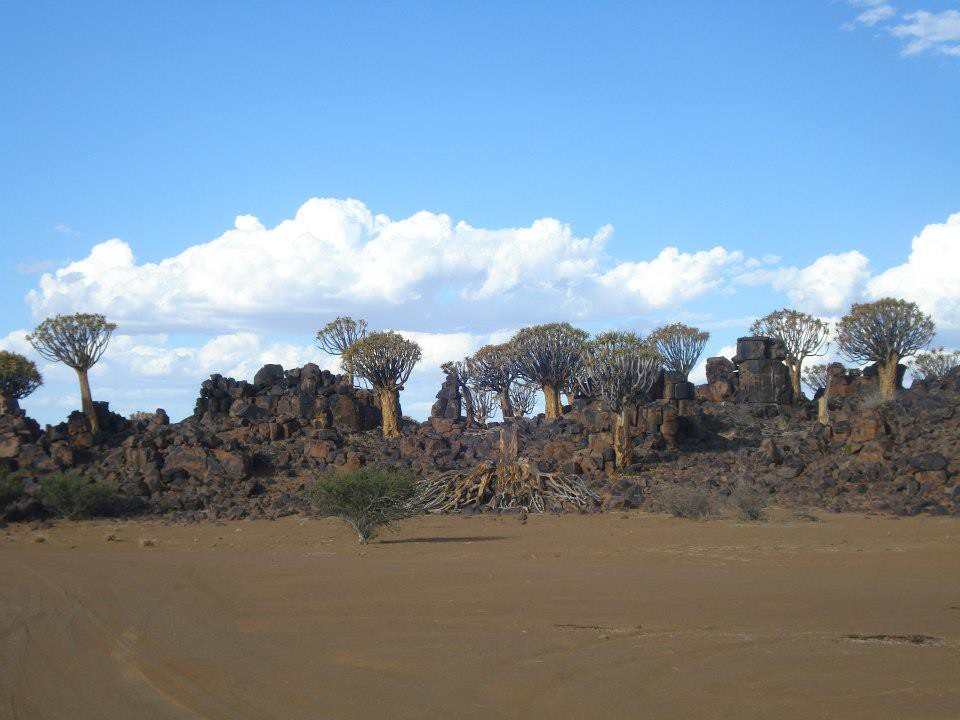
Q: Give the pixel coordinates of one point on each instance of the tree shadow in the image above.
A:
(465, 539)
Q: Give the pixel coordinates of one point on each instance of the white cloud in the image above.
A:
(672, 277)
(827, 285)
(925, 31)
(336, 255)
(931, 275)
(875, 11)
(922, 30)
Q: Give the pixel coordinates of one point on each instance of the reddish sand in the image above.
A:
(608, 616)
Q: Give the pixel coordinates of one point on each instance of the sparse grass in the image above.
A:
(74, 496)
(147, 542)
(686, 501)
(368, 499)
(748, 503)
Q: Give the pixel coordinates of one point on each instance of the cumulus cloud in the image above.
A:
(337, 254)
(672, 276)
(828, 285)
(931, 275)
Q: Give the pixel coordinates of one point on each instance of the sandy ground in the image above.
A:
(609, 616)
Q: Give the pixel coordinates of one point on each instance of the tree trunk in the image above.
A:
(468, 407)
(887, 373)
(389, 399)
(794, 369)
(86, 401)
(509, 444)
(823, 405)
(569, 397)
(506, 407)
(551, 401)
(622, 442)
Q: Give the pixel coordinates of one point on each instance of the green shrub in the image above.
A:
(368, 499)
(11, 488)
(75, 496)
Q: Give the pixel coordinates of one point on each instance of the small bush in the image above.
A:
(684, 501)
(748, 503)
(11, 488)
(75, 496)
(368, 499)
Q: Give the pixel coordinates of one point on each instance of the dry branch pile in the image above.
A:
(517, 484)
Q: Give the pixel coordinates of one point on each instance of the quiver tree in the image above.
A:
(460, 370)
(801, 335)
(935, 364)
(619, 369)
(491, 368)
(816, 377)
(884, 332)
(18, 378)
(336, 336)
(523, 396)
(78, 341)
(680, 346)
(549, 356)
(385, 360)
(484, 402)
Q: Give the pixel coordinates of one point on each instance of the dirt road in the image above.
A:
(608, 616)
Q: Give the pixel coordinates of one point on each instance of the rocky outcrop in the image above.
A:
(755, 375)
(251, 448)
(449, 399)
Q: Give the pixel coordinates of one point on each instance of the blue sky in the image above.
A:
(790, 152)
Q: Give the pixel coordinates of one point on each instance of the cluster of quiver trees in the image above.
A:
(555, 359)
(619, 368)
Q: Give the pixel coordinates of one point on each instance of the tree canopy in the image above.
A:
(680, 346)
(884, 332)
(801, 335)
(619, 368)
(549, 355)
(18, 375)
(384, 359)
(934, 364)
(885, 329)
(78, 341)
(491, 368)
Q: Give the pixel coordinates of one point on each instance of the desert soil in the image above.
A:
(605, 616)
